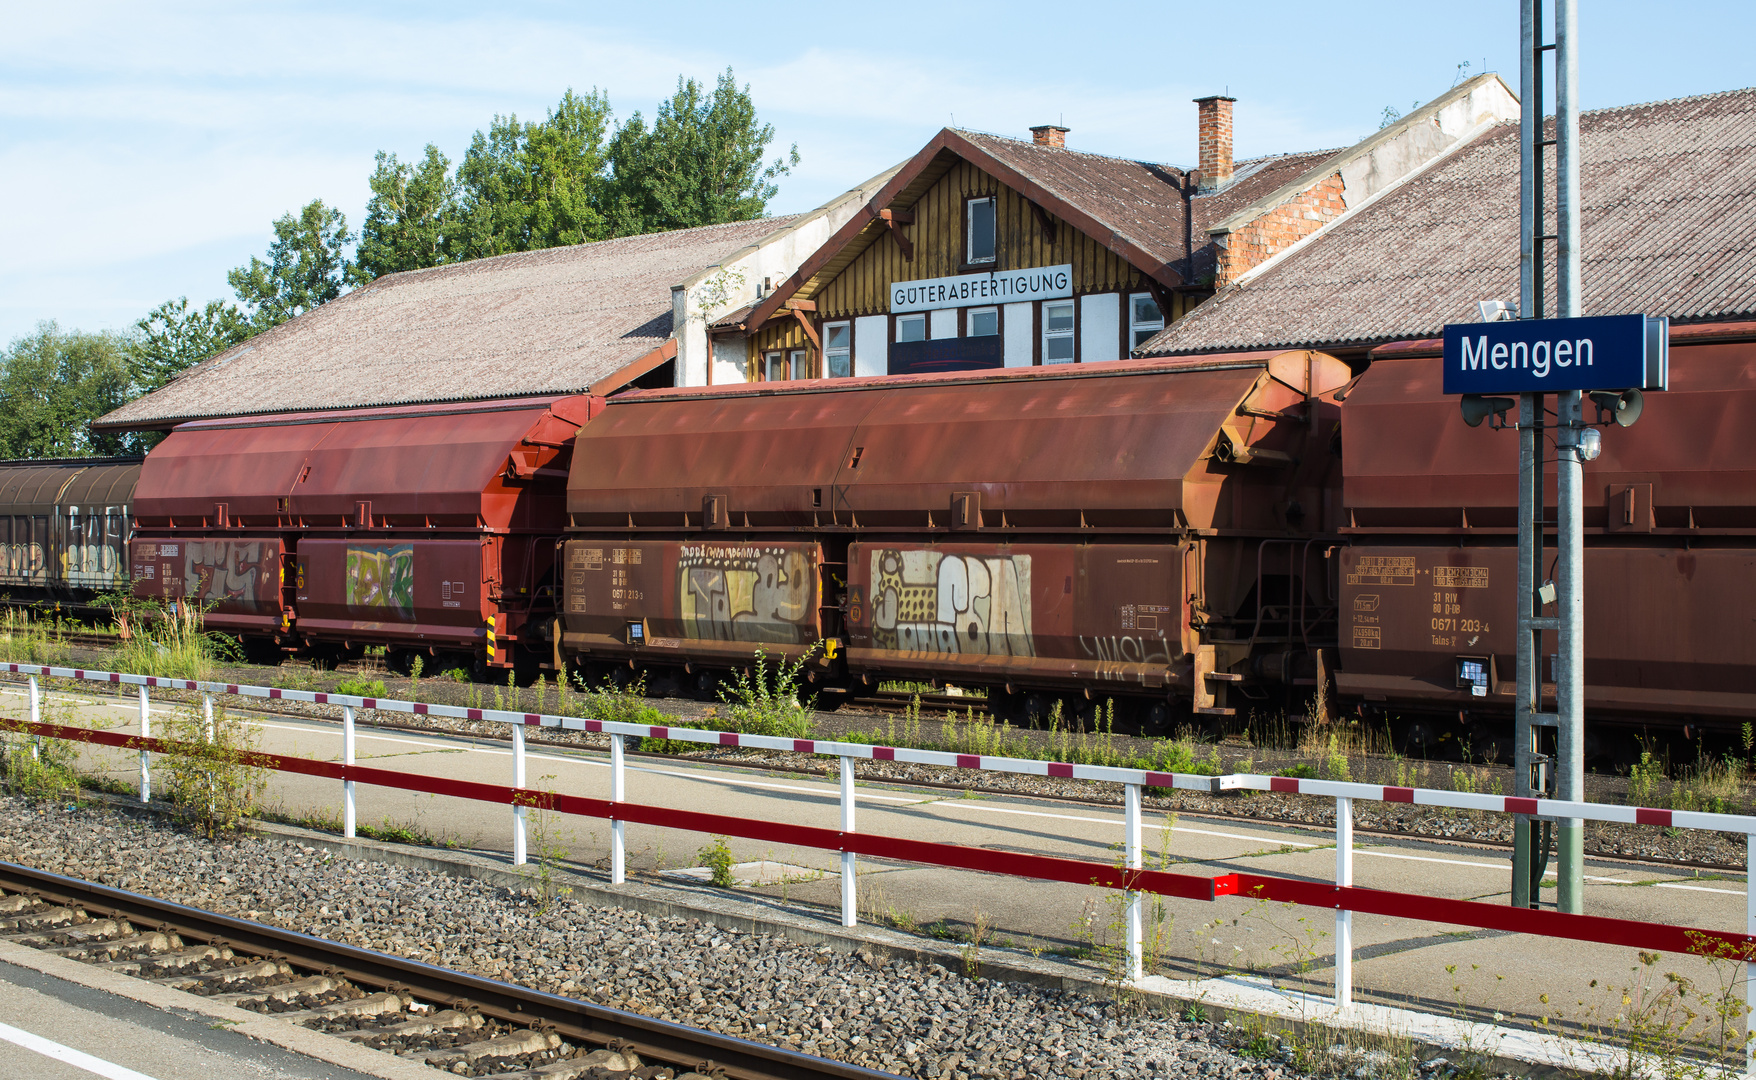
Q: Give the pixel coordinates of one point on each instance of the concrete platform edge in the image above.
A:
(291, 1037)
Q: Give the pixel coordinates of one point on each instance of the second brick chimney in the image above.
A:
(1216, 140)
(1049, 135)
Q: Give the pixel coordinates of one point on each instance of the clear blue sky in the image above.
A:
(145, 148)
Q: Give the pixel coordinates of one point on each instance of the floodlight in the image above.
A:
(1497, 310)
(1591, 444)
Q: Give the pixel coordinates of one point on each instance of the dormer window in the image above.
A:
(980, 245)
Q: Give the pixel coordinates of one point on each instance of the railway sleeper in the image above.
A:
(55, 916)
(513, 1044)
(250, 969)
(445, 1020)
(383, 1003)
(83, 933)
(310, 985)
(173, 960)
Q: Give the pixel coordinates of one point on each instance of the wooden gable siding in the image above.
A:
(938, 238)
(784, 333)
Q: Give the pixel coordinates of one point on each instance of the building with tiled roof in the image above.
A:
(984, 251)
(1668, 220)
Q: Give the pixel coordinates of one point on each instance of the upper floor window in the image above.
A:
(838, 350)
(1058, 332)
(911, 327)
(776, 366)
(1144, 319)
(980, 212)
(984, 322)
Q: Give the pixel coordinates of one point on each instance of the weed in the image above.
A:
(540, 825)
(456, 675)
(758, 704)
(718, 859)
(972, 949)
(203, 770)
(37, 767)
(415, 667)
(362, 688)
(173, 643)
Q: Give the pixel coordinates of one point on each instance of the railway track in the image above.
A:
(460, 1024)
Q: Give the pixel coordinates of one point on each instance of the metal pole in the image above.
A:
(850, 915)
(1750, 965)
(518, 810)
(1131, 817)
(1528, 700)
(618, 844)
(348, 819)
(145, 757)
(36, 717)
(1569, 478)
(1344, 919)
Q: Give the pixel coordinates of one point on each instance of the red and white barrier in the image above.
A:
(1342, 897)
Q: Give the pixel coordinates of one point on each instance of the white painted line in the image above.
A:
(68, 1056)
(1696, 888)
(965, 805)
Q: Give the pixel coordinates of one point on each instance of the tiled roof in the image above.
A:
(534, 322)
(1668, 216)
(1138, 200)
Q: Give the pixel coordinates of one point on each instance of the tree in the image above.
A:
(53, 384)
(173, 337)
(306, 266)
(701, 164)
(409, 219)
(536, 185)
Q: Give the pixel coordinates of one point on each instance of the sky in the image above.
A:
(146, 148)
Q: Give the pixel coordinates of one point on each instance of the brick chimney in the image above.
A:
(1049, 135)
(1216, 140)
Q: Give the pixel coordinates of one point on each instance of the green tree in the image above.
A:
(306, 267)
(534, 185)
(702, 163)
(53, 384)
(410, 217)
(174, 337)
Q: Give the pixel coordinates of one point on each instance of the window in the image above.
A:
(911, 327)
(800, 366)
(981, 230)
(776, 366)
(1058, 332)
(1144, 319)
(838, 350)
(984, 322)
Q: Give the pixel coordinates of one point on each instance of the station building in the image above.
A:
(990, 252)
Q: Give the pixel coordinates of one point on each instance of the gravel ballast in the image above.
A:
(890, 1014)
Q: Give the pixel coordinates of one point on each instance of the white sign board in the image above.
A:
(965, 290)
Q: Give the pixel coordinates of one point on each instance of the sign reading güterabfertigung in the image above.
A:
(1543, 356)
(970, 290)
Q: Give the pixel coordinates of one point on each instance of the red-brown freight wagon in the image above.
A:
(1428, 580)
(1146, 532)
(425, 528)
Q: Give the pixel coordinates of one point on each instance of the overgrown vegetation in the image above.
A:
(204, 774)
(717, 857)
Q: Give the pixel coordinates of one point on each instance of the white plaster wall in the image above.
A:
(730, 353)
(872, 345)
(1019, 325)
(942, 323)
(1099, 327)
(1421, 139)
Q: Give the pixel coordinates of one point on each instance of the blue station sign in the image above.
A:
(1545, 356)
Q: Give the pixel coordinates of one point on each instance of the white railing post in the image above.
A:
(618, 790)
(145, 756)
(349, 821)
(1750, 963)
(207, 728)
(1344, 919)
(518, 809)
(36, 717)
(1131, 851)
(850, 915)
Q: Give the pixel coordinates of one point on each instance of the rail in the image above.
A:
(582, 1021)
(1342, 897)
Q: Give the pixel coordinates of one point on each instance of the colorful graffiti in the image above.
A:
(738, 592)
(233, 574)
(382, 576)
(939, 604)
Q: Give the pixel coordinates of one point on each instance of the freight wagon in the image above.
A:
(1156, 534)
(64, 528)
(426, 529)
(1427, 579)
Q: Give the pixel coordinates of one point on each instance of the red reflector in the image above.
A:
(1283, 783)
(1057, 768)
(1521, 806)
(883, 753)
(1643, 816)
(1399, 794)
(804, 746)
(727, 738)
(1160, 779)
(968, 761)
